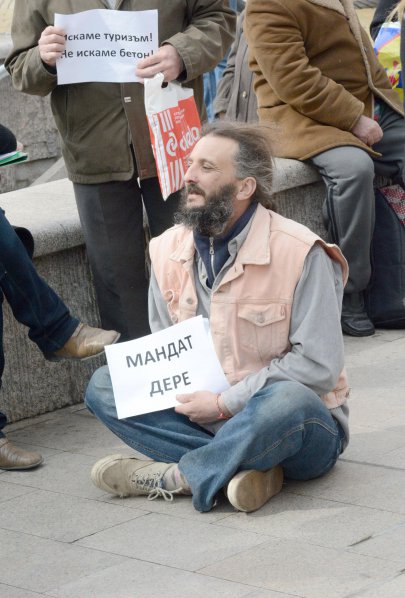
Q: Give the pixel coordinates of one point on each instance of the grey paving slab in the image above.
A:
(371, 486)
(61, 517)
(266, 594)
(73, 431)
(66, 473)
(381, 409)
(9, 491)
(356, 347)
(12, 592)
(171, 541)
(388, 544)
(378, 366)
(394, 458)
(372, 445)
(302, 569)
(392, 588)
(321, 522)
(139, 579)
(181, 507)
(36, 564)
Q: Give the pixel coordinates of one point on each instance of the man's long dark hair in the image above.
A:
(253, 158)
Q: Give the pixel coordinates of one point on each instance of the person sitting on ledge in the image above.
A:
(272, 291)
(330, 104)
(34, 303)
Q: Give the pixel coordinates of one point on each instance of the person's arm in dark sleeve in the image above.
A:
(8, 141)
(384, 7)
(224, 87)
(207, 37)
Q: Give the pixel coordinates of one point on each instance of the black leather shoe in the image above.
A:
(355, 320)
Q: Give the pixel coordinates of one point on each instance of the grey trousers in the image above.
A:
(111, 215)
(349, 206)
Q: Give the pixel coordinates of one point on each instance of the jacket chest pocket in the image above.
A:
(264, 329)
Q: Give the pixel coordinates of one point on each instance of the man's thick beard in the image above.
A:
(209, 220)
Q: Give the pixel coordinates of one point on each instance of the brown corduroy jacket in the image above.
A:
(315, 73)
(96, 125)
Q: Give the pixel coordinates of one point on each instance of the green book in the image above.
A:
(12, 158)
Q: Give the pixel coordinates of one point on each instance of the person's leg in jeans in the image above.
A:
(3, 417)
(33, 302)
(349, 211)
(51, 326)
(12, 457)
(284, 424)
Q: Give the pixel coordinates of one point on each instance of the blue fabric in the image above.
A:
(284, 423)
(221, 251)
(31, 299)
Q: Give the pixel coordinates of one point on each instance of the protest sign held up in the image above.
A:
(106, 45)
(148, 373)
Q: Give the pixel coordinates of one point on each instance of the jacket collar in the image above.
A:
(256, 249)
(332, 4)
(346, 8)
(253, 251)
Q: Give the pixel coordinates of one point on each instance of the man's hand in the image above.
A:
(367, 130)
(166, 60)
(51, 44)
(200, 407)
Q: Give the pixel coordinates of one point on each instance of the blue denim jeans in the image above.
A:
(31, 299)
(284, 423)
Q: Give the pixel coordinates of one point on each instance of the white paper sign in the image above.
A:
(148, 373)
(105, 45)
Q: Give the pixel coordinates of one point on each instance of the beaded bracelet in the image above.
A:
(221, 414)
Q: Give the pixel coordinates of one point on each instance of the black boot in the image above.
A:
(355, 320)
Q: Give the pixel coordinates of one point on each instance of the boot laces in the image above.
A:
(152, 484)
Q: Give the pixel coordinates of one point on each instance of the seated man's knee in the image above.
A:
(285, 399)
(346, 164)
(359, 166)
(99, 389)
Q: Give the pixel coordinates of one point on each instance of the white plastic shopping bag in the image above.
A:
(174, 126)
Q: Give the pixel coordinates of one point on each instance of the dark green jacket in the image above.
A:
(96, 126)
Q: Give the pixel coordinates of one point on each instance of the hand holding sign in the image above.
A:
(51, 45)
(166, 61)
(201, 407)
(151, 373)
(102, 45)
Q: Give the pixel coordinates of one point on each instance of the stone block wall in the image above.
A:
(32, 385)
(31, 120)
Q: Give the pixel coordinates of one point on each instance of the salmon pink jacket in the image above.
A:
(250, 309)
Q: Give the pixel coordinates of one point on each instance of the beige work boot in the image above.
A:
(85, 342)
(249, 490)
(129, 476)
(12, 457)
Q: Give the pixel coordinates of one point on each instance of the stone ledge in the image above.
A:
(30, 384)
(289, 174)
(55, 225)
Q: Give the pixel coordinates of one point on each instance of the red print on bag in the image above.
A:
(174, 131)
